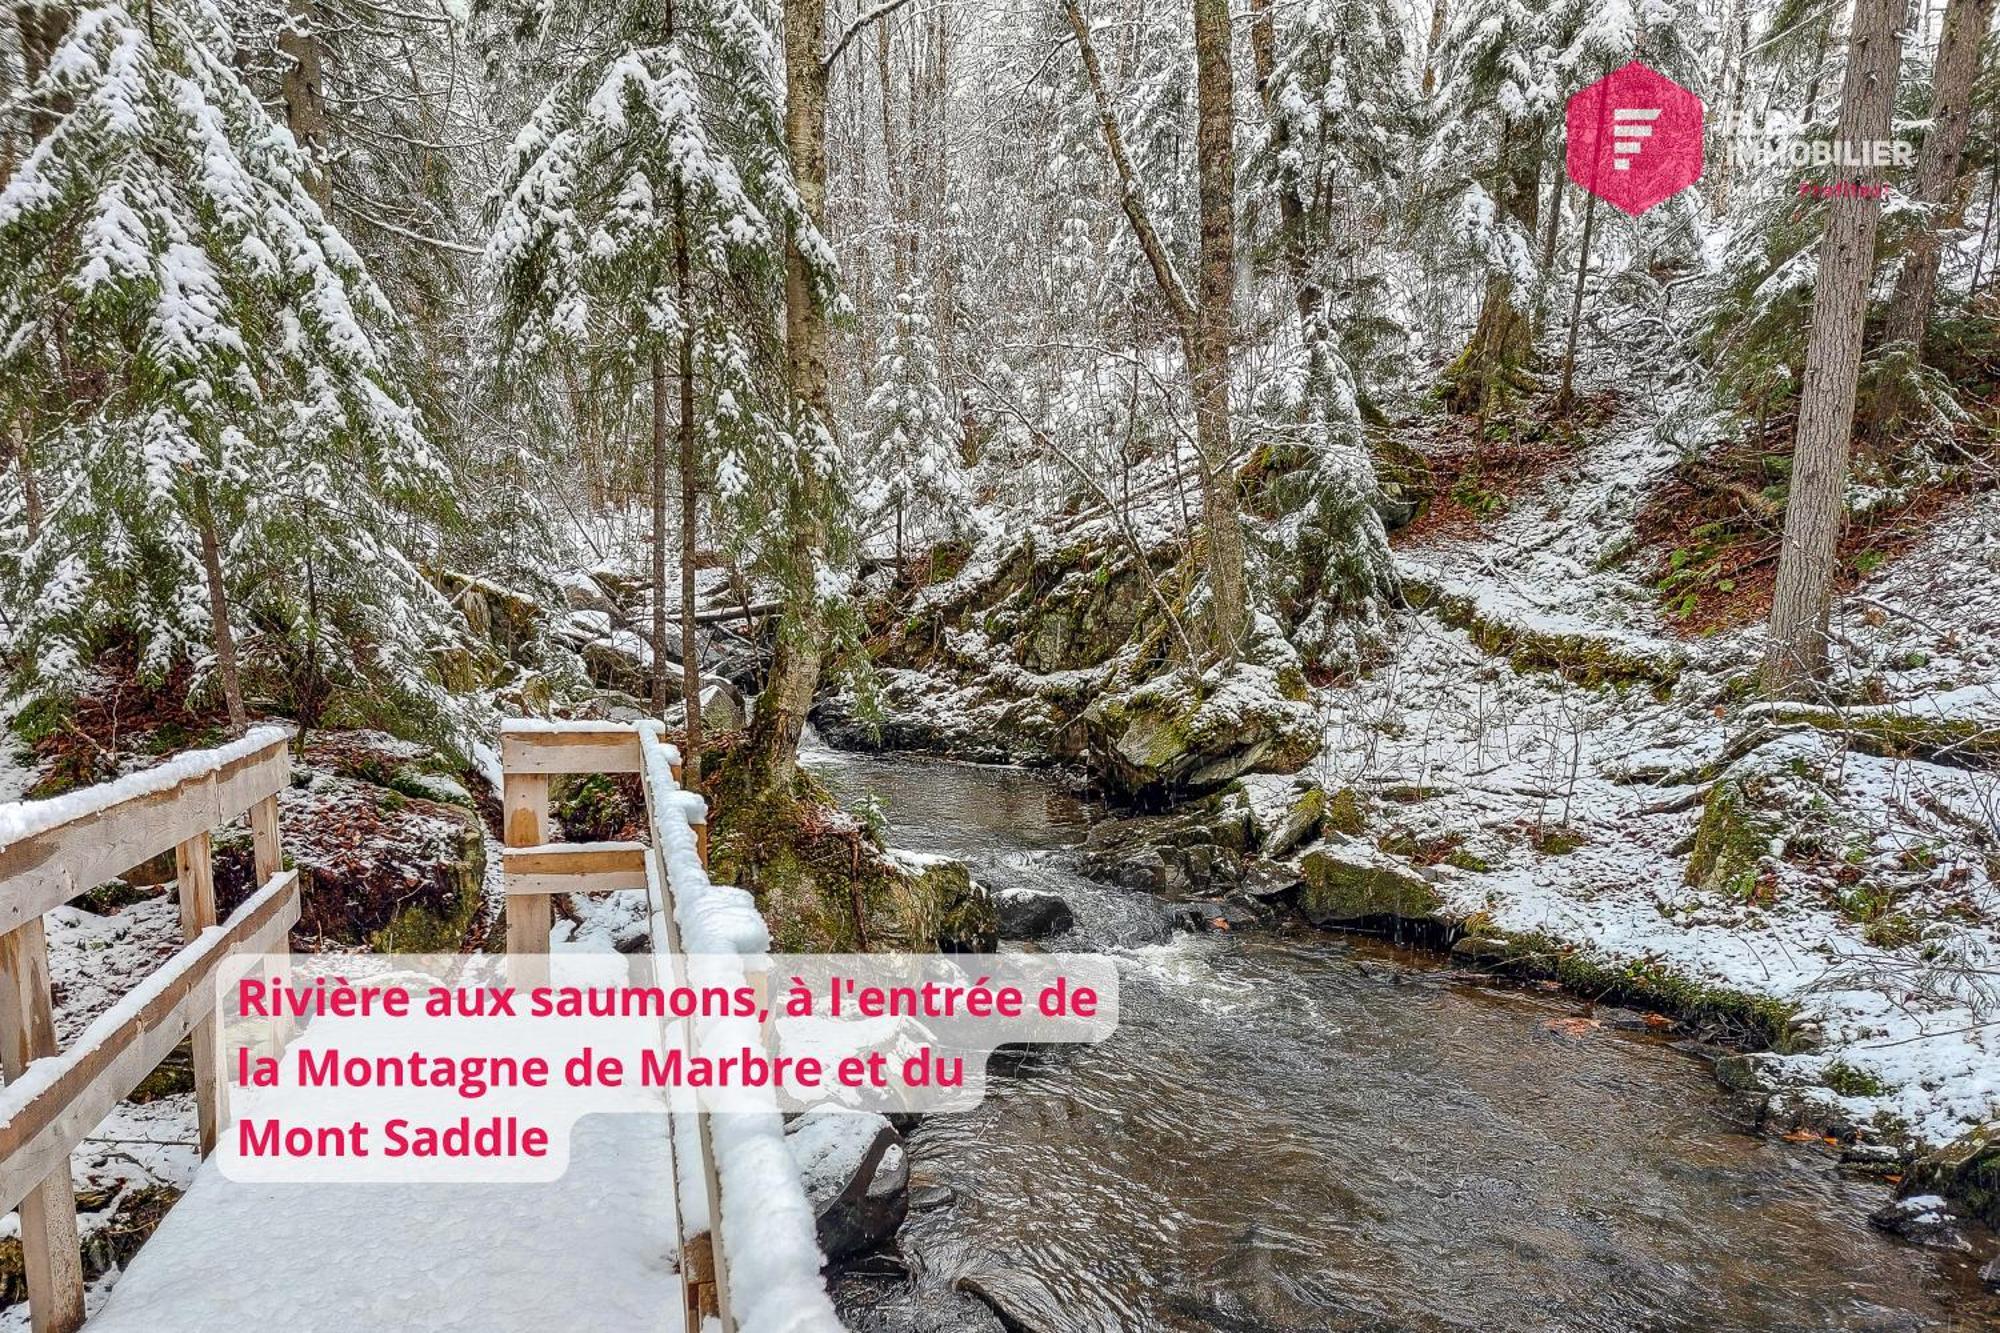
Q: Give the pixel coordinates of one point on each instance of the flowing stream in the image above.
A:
(1294, 1131)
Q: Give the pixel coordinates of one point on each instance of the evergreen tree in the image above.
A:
(231, 465)
(637, 235)
(915, 480)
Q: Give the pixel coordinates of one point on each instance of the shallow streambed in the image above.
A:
(1295, 1132)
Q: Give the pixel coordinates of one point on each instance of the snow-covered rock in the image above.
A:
(856, 1174)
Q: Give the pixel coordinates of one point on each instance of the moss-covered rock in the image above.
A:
(1169, 737)
(1350, 883)
(1309, 812)
(825, 883)
(1345, 813)
(1753, 1022)
(1586, 659)
(1967, 1170)
(1730, 842)
(1906, 732)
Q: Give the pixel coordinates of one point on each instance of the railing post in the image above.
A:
(49, 1249)
(267, 859)
(525, 809)
(194, 869)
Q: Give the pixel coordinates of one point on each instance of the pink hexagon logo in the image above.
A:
(1634, 138)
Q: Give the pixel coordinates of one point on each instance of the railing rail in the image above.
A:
(671, 869)
(52, 851)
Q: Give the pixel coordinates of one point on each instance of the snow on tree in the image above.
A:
(915, 485)
(231, 467)
(637, 236)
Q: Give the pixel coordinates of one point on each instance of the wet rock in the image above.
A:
(1968, 1170)
(1482, 950)
(1924, 1219)
(1265, 882)
(1348, 881)
(1022, 1303)
(1872, 1159)
(1029, 914)
(927, 1198)
(1740, 1072)
(880, 1264)
(1198, 849)
(856, 1175)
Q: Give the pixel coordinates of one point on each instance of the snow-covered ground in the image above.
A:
(1875, 910)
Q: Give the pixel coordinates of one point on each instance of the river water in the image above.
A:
(1294, 1131)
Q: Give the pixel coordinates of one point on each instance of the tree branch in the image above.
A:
(1162, 263)
(854, 29)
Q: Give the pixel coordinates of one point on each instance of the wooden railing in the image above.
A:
(536, 870)
(55, 1097)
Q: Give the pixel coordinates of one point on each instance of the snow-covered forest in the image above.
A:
(1234, 408)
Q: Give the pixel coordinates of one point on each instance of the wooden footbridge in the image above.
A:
(626, 1240)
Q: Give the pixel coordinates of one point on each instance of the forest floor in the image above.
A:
(1575, 808)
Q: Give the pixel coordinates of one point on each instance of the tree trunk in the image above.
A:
(1204, 319)
(303, 87)
(31, 491)
(690, 642)
(218, 618)
(659, 477)
(1736, 43)
(1431, 45)
(1500, 340)
(1215, 156)
(1566, 396)
(1796, 651)
(43, 24)
(795, 663)
(1937, 168)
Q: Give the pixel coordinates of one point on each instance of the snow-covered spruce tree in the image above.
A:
(230, 468)
(637, 237)
(1491, 173)
(913, 483)
(1488, 132)
(1336, 103)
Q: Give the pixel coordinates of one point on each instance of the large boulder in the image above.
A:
(1170, 736)
(856, 1174)
(827, 885)
(1029, 914)
(1350, 882)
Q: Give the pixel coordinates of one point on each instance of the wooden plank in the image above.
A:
(610, 748)
(268, 853)
(194, 871)
(47, 1200)
(704, 1266)
(264, 844)
(525, 819)
(48, 869)
(91, 1077)
(574, 867)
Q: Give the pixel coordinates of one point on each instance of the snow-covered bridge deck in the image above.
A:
(594, 1250)
(623, 1241)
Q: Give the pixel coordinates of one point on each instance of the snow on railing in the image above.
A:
(764, 1275)
(768, 1264)
(52, 851)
